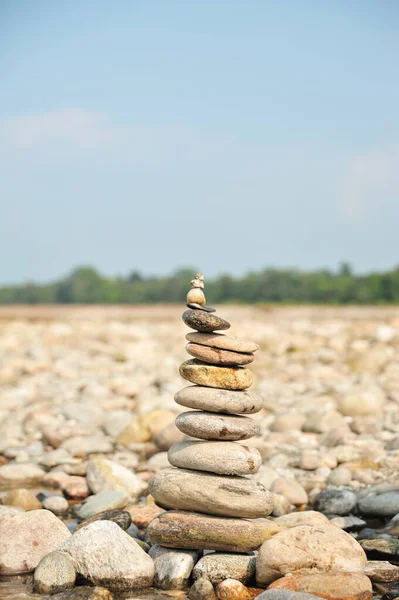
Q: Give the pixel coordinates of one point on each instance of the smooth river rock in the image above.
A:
(219, 357)
(214, 400)
(54, 573)
(212, 494)
(107, 556)
(334, 586)
(178, 529)
(204, 321)
(223, 458)
(227, 378)
(172, 567)
(382, 505)
(316, 547)
(26, 537)
(211, 426)
(218, 566)
(224, 342)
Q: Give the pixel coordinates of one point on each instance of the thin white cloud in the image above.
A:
(82, 128)
(371, 183)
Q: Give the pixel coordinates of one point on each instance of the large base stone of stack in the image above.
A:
(211, 494)
(219, 401)
(227, 378)
(211, 426)
(189, 530)
(223, 458)
(216, 356)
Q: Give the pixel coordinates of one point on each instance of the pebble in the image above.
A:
(339, 476)
(231, 589)
(223, 342)
(381, 570)
(142, 515)
(202, 589)
(333, 586)
(196, 296)
(167, 436)
(193, 531)
(75, 487)
(105, 475)
(368, 400)
(142, 428)
(26, 537)
(84, 593)
(382, 546)
(15, 475)
(381, 505)
(335, 501)
(201, 307)
(105, 555)
(113, 500)
(211, 426)
(173, 568)
(216, 400)
(184, 489)
(227, 378)
(82, 446)
(291, 489)
(23, 498)
(223, 458)
(286, 595)
(218, 566)
(348, 523)
(219, 357)
(56, 504)
(321, 547)
(54, 573)
(203, 321)
(120, 517)
(306, 517)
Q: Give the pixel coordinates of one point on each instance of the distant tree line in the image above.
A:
(86, 286)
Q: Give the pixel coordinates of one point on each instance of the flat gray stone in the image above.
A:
(383, 505)
(286, 595)
(223, 458)
(101, 502)
(335, 501)
(211, 426)
(215, 356)
(224, 342)
(212, 494)
(204, 321)
(219, 566)
(219, 401)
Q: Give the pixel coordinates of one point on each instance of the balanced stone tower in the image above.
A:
(210, 489)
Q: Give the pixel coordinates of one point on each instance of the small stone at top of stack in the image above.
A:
(211, 474)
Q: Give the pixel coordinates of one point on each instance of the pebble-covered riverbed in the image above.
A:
(87, 416)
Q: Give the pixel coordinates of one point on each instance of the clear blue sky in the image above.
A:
(224, 134)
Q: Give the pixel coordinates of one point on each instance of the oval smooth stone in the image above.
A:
(204, 321)
(223, 458)
(216, 400)
(194, 531)
(218, 357)
(224, 342)
(227, 378)
(211, 426)
(212, 494)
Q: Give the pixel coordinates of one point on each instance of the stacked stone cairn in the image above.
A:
(214, 503)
